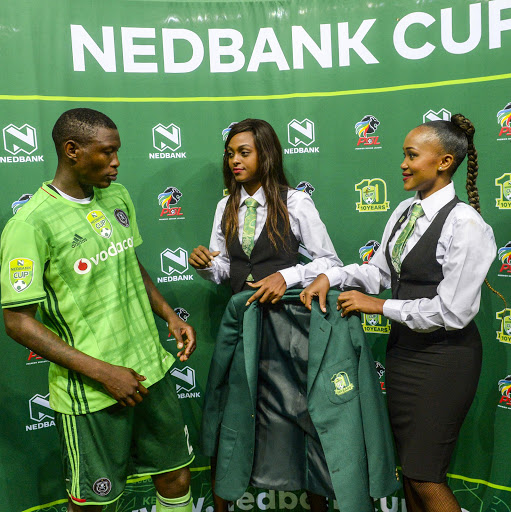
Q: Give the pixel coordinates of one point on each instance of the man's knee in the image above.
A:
(173, 484)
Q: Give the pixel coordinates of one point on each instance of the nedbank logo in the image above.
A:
(185, 382)
(174, 262)
(373, 195)
(40, 412)
(301, 133)
(373, 323)
(167, 138)
(442, 115)
(504, 182)
(20, 140)
(504, 335)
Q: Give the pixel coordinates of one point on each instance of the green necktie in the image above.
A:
(247, 239)
(399, 246)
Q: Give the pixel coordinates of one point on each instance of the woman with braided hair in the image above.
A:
(435, 253)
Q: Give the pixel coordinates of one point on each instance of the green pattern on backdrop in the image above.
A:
(342, 83)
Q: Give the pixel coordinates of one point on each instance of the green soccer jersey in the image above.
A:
(78, 262)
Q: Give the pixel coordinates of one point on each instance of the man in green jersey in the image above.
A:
(70, 251)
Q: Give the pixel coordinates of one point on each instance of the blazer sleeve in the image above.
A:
(217, 386)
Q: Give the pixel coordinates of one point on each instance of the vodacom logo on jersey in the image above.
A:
(84, 265)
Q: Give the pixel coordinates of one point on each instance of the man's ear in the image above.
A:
(71, 148)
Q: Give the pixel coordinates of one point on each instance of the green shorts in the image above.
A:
(101, 449)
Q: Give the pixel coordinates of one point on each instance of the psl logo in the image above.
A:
(367, 251)
(40, 409)
(505, 391)
(504, 182)
(166, 137)
(174, 261)
(306, 187)
(341, 383)
(21, 273)
(20, 139)
(99, 223)
(167, 199)
(374, 323)
(300, 132)
(373, 195)
(365, 129)
(504, 335)
(186, 377)
(504, 119)
(442, 115)
(505, 257)
(20, 202)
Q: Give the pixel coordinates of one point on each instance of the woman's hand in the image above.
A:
(271, 289)
(201, 257)
(318, 288)
(347, 302)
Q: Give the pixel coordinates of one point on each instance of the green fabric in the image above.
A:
(78, 262)
(403, 237)
(249, 225)
(352, 424)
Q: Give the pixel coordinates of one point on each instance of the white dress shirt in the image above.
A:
(466, 249)
(306, 226)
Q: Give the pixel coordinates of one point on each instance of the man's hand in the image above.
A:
(360, 302)
(201, 257)
(318, 288)
(124, 385)
(185, 337)
(271, 289)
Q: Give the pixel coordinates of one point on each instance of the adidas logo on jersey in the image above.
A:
(77, 240)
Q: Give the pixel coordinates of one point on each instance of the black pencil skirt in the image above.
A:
(431, 380)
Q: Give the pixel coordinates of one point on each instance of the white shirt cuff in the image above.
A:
(392, 309)
(336, 276)
(291, 276)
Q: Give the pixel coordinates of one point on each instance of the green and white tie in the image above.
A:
(249, 225)
(403, 237)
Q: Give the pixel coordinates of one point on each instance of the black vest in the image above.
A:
(420, 276)
(265, 259)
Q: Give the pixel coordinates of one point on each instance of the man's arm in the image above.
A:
(123, 384)
(183, 332)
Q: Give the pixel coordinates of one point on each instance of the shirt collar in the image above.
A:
(432, 204)
(258, 196)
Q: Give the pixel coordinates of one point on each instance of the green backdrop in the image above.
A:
(342, 83)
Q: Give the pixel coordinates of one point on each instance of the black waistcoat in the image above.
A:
(420, 276)
(265, 259)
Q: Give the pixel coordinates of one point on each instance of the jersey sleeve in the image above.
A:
(137, 238)
(23, 255)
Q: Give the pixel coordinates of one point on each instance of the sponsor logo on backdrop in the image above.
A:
(181, 313)
(373, 195)
(504, 335)
(301, 135)
(504, 184)
(225, 131)
(168, 200)
(34, 358)
(174, 264)
(167, 140)
(374, 323)
(505, 258)
(99, 223)
(21, 273)
(505, 392)
(84, 265)
(367, 251)
(306, 187)
(40, 413)
(365, 130)
(186, 382)
(380, 370)
(20, 142)
(442, 115)
(504, 120)
(16, 206)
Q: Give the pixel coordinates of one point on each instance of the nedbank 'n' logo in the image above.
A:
(504, 182)
(20, 139)
(373, 195)
(174, 261)
(99, 223)
(504, 335)
(21, 273)
(341, 383)
(442, 115)
(374, 323)
(166, 137)
(300, 132)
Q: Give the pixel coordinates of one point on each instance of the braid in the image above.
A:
(472, 170)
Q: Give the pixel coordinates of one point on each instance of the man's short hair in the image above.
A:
(80, 125)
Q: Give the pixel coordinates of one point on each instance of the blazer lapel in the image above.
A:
(319, 335)
(251, 335)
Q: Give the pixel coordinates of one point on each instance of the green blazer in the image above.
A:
(344, 401)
